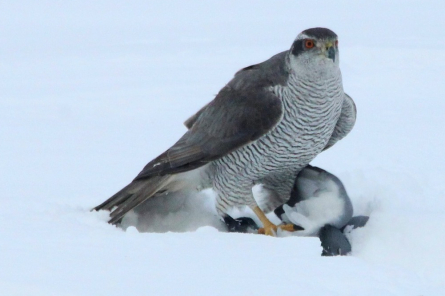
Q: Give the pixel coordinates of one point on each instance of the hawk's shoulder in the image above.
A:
(268, 73)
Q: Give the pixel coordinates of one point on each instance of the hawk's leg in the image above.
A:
(268, 227)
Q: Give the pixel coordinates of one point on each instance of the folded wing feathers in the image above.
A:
(134, 196)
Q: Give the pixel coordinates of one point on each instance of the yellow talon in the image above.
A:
(272, 229)
(268, 227)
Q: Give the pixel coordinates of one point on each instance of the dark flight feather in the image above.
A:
(243, 111)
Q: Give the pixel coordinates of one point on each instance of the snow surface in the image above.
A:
(91, 91)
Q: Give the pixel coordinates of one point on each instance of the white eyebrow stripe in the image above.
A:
(303, 36)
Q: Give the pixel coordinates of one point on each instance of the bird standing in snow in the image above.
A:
(264, 126)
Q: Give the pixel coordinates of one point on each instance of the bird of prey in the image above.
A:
(263, 127)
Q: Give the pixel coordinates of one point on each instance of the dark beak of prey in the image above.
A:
(331, 53)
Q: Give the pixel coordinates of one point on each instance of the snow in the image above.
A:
(91, 91)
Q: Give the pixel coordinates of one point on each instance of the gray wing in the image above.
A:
(241, 112)
(262, 75)
(345, 123)
(191, 121)
(233, 119)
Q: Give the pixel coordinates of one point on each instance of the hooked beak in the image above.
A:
(328, 50)
(331, 53)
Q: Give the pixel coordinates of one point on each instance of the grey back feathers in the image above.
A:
(237, 116)
(269, 73)
(272, 72)
(242, 111)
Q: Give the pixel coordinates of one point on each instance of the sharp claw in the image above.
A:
(268, 230)
(297, 227)
(272, 231)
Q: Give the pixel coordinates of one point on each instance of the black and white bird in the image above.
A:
(318, 198)
(318, 206)
(263, 127)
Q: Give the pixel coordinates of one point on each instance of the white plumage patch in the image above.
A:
(322, 206)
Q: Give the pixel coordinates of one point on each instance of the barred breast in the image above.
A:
(311, 109)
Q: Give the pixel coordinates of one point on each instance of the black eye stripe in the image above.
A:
(298, 47)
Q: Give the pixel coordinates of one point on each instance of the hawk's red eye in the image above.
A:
(309, 43)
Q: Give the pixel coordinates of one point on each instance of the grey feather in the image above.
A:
(191, 121)
(241, 113)
(133, 195)
(345, 123)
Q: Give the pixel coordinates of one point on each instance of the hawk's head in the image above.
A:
(315, 48)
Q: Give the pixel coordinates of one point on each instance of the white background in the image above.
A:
(90, 92)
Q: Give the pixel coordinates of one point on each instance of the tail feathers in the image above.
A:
(119, 197)
(133, 195)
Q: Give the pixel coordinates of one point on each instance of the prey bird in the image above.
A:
(263, 127)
